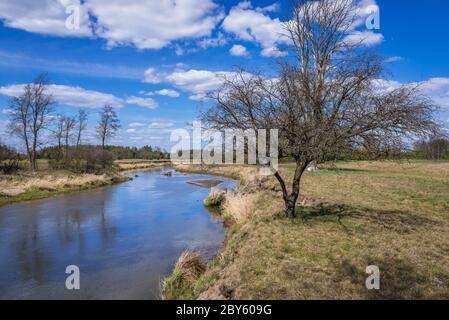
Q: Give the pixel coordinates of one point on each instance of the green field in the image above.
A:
(394, 215)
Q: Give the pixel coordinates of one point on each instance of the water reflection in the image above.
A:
(125, 238)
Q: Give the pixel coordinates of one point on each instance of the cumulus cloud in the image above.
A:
(197, 82)
(273, 52)
(144, 24)
(70, 96)
(238, 51)
(253, 25)
(45, 16)
(142, 102)
(151, 76)
(435, 88)
(218, 41)
(365, 38)
(438, 90)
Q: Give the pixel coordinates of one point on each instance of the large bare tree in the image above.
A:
(30, 115)
(325, 99)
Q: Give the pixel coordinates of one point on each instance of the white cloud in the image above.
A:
(271, 8)
(161, 125)
(136, 125)
(150, 24)
(365, 38)
(45, 16)
(142, 102)
(218, 41)
(151, 76)
(198, 82)
(253, 25)
(7, 111)
(435, 88)
(164, 92)
(393, 59)
(273, 52)
(144, 24)
(238, 51)
(131, 130)
(70, 96)
(438, 90)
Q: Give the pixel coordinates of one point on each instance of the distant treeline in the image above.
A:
(116, 152)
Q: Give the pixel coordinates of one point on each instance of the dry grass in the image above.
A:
(393, 215)
(17, 185)
(241, 206)
(42, 184)
(190, 265)
(136, 164)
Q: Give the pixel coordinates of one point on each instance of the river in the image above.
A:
(125, 238)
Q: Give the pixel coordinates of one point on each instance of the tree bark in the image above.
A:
(291, 198)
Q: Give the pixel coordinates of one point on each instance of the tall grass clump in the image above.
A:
(180, 285)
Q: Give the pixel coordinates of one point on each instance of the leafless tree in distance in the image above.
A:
(108, 125)
(30, 115)
(325, 99)
(81, 126)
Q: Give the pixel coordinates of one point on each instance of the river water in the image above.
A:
(125, 238)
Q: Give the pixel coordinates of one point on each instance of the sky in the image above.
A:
(155, 60)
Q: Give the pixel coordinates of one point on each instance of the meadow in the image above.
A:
(394, 215)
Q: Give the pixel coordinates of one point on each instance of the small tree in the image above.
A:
(69, 126)
(81, 126)
(108, 125)
(30, 115)
(324, 102)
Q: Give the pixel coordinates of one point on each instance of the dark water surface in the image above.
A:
(125, 239)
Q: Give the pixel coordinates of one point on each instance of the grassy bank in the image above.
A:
(26, 186)
(354, 214)
(34, 186)
(138, 165)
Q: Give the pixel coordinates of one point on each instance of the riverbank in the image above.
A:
(394, 215)
(139, 165)
(27, 186)
(40, 185)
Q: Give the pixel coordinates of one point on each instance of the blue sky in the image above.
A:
(155, 61)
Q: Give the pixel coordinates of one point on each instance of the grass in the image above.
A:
(46, 182)
(189, 267)
(26, 186)
(391, 214)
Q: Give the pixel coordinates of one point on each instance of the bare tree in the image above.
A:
(58, 133)
(81, 126)
(324, 102)
(69, 126)
(436, 148)
(108, 125)
(31, 115)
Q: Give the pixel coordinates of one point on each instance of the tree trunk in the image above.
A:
(291, 198)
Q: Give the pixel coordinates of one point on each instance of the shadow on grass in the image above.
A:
(399, 279)
(389, 219)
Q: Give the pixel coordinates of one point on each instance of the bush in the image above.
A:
(84, 159)
(9, 160)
